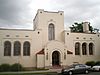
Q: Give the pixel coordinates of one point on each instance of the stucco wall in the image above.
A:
(20, 35)
(40, 61)
(55, 46)
(45, 18)
(72, 38)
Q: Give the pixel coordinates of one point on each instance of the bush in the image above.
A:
(17, 67)
(97, 63)
(4, 67)
(90, 63)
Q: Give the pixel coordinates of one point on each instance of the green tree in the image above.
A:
(90, 28)
(78, 27)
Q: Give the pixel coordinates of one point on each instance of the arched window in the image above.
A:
(26, 48)
(84, 49)
(7, 48)
(91, 48)
(77, 48)
(51, 32)
(17, 48)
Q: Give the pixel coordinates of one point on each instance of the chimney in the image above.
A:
(86, 27)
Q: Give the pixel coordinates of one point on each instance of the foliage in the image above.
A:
(17, 67)
(90, 28)
(4, 67)
(78, 27)
(90, 63)
(97, 63)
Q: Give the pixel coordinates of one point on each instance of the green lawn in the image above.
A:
(42, 73)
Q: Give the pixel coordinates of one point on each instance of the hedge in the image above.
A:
(13, 67)
(90, 63)
(4, 67)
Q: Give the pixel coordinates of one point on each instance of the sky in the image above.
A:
(19, 14)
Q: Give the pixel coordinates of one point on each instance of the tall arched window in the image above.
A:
(91, 48)
(51, 32)
(7, 48)
(77, 48)
(17, 48)
(84, 49)
(26, 48)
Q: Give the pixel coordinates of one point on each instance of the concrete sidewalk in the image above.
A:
(50, 70)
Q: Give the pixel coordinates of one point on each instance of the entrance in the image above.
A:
(55, 58)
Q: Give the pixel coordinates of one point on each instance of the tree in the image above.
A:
(78, 27)
(90, 28)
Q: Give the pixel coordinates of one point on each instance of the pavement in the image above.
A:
(50, 70)
(55, 70)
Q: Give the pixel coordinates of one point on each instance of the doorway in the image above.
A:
(55, 58)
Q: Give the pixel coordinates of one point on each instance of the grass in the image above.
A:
(40, 73)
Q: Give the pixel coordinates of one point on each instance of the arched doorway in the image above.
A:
(55, 58)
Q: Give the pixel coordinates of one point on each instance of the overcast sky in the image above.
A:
(20, 13)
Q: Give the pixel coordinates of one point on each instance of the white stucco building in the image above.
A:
(48, 44)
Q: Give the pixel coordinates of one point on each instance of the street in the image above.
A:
(91, 73)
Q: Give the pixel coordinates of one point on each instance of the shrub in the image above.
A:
(97, 63)
(17, 67)
(4, 67)
(90, 63)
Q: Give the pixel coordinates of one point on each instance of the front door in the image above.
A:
(55, 58)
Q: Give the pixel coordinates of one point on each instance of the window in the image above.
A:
(60, 13)
(7, 35)
(67, 33)
(38, 32)
(77, 48)
(7, 48)
(26, 48)
(26, 36)
(46, 56)
(77, 37)
(51, 32)
(17, 48)
(64, 56)
(84, 49)
(98, 35)
(91, 48)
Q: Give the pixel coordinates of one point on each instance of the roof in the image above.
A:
(69, 52)
(16, 29)
(41, 52)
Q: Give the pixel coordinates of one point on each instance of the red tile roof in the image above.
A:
(41, 52)
(69, 52)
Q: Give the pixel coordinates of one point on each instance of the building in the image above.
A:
(48, 44)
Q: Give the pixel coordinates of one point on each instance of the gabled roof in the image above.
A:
(41, 52)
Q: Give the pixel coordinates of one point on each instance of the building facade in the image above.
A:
(48, 44)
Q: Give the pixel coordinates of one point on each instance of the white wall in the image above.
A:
(70, 41)
(20, 35)
(40, 61)
(45, 18)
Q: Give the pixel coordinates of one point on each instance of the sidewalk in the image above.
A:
(50, 70)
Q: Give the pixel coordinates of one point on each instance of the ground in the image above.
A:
(50, 73)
